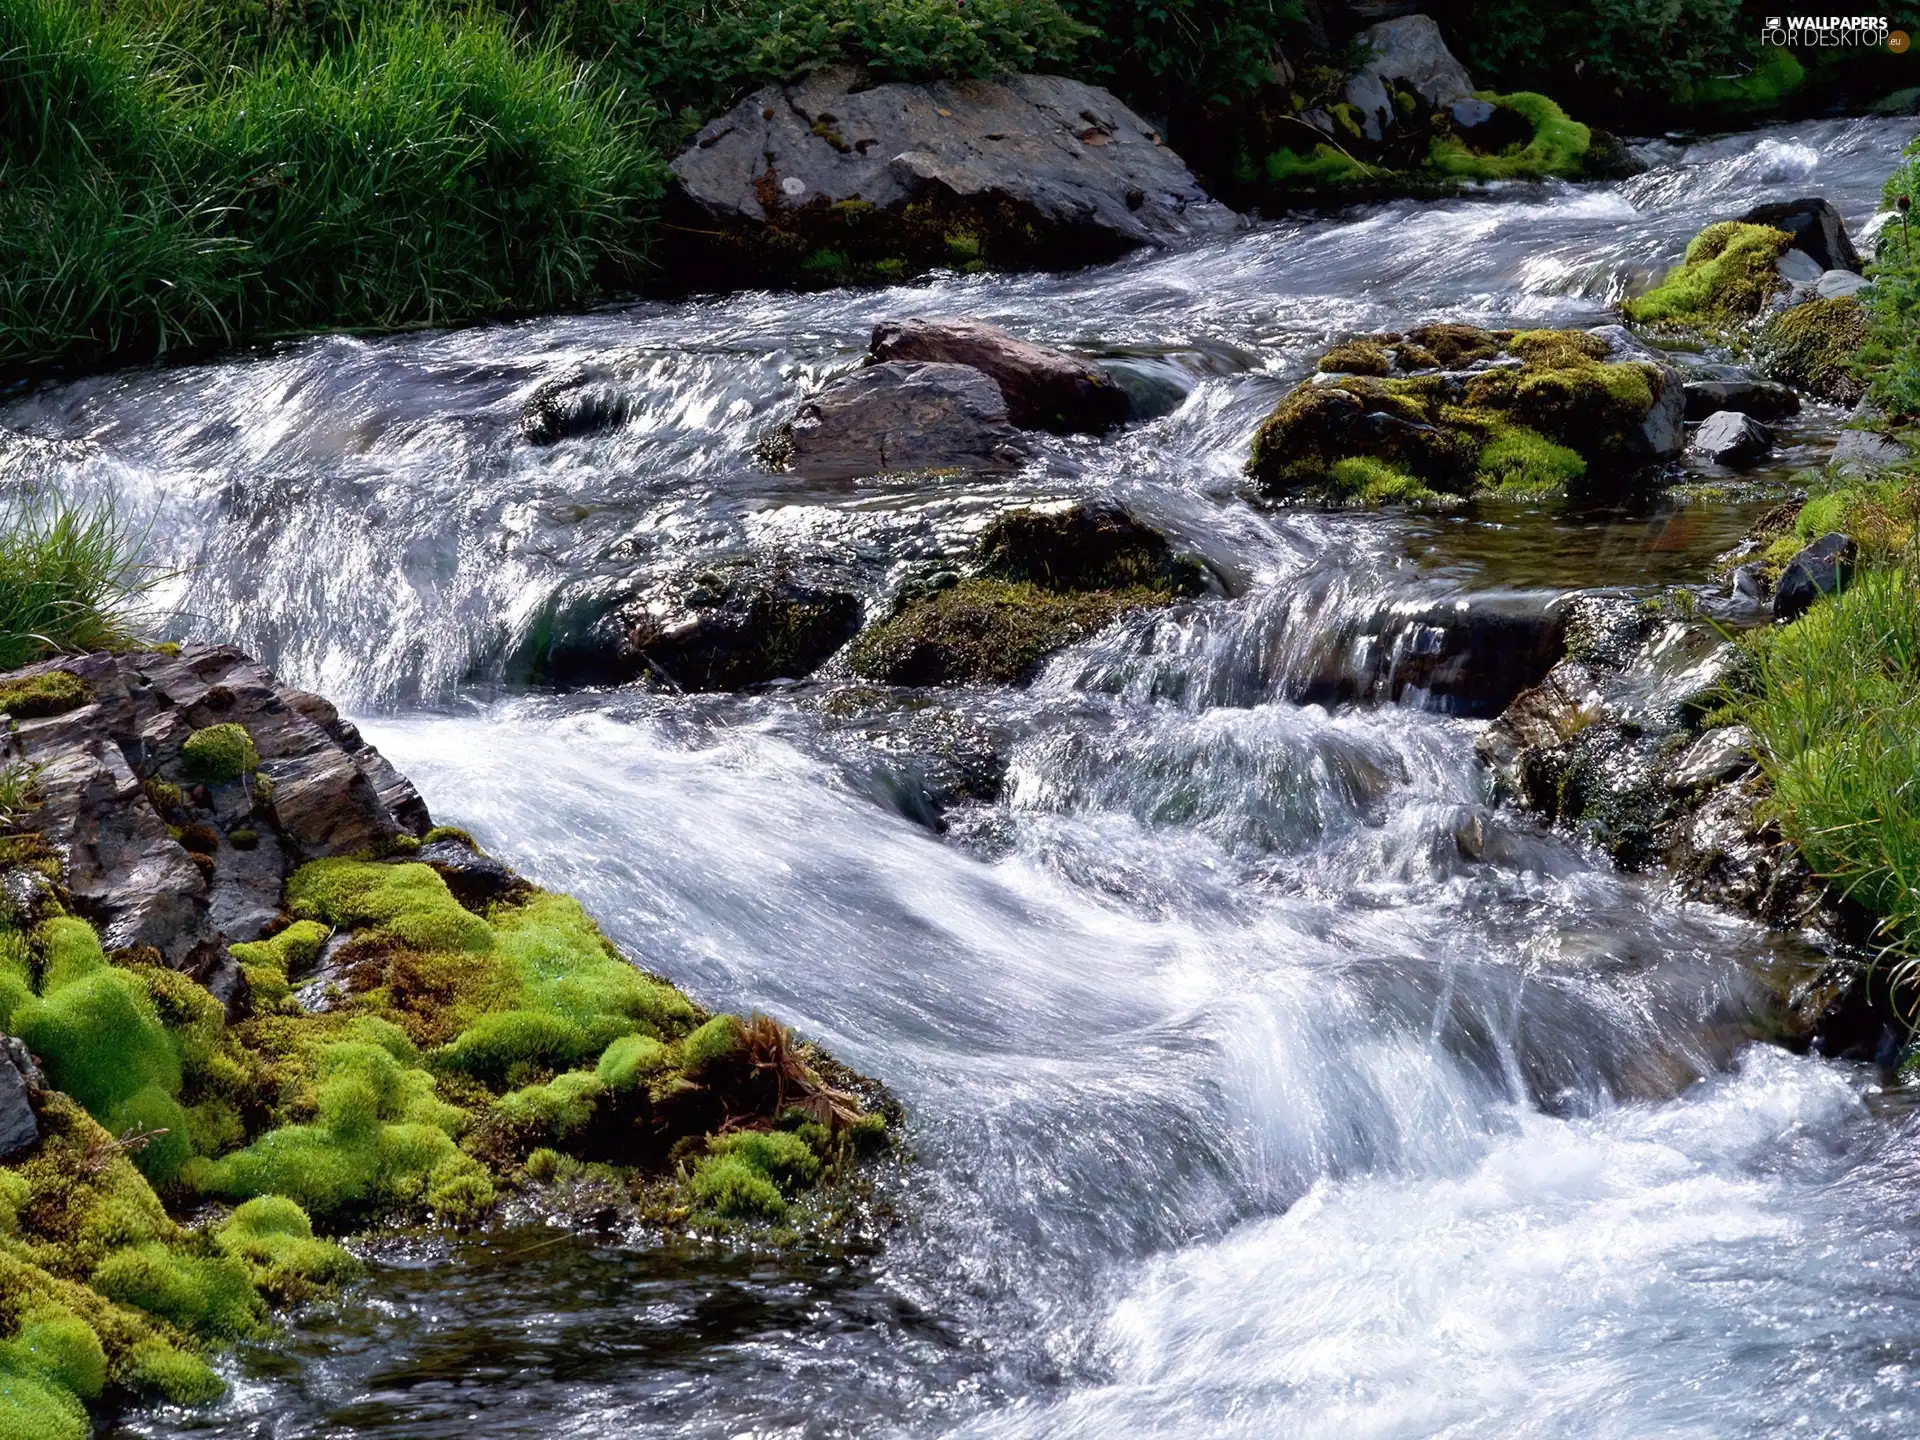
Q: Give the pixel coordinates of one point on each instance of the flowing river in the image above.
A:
(1242, 1101)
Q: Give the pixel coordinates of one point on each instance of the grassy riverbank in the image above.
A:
(1834, 698)
(185, 175)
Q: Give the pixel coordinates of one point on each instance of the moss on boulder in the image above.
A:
(1811, 346)
(1535, 411)
(1728, 275)
(1043, 579)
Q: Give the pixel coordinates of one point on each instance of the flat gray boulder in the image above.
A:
(1045, 389)
(901, 416)
(1727, 437)
(1053, 165)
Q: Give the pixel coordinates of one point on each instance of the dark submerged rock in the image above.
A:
(1823, 568)
(1044, 389)
(721, 628)
(905, 417)
(574, 405)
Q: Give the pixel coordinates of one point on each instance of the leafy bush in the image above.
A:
(692, 58)
(1889, 357)
(1175, 54)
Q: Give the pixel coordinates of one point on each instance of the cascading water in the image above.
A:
(1248, 1095)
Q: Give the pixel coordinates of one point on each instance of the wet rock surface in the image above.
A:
(902, 416)
(1411, 51)
(1040, 579)
(1728, 437)
(159, 852)
(716, 628)
(1045, 389)
(20, 1079)
(1817, 229)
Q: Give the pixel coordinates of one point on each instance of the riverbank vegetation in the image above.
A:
(181, 175)
(1833, 698)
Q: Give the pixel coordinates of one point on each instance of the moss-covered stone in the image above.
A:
(1550, 412)
(1044, 578)
(219, 753)
(1725, 280)
(1811, 346)
(52, 692)
(1355, 357)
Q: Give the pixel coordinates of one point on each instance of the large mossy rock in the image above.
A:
(238, 967)
(1730, 272)
(1449, 411)
(1042, 580)
(1811, 347)
(825, 180)
(1045, 389)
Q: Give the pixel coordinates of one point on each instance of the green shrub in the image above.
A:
(1168, 54)
(1889, 357)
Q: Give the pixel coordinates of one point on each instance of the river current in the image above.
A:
(1245, 1098)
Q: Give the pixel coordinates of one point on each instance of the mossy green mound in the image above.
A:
(1425, 155)
(463, 1052)
(1044, 579)
(1537, 411)
(1725, 280)
(52, 692)
(1558, 145)
(219, 753)
(1812, 346)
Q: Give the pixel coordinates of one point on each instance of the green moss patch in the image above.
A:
(1725, 280)
(219, 753)
(1812, 345)
(1558, 146)
(1553, 419)
(52, 692)
(1044, 579)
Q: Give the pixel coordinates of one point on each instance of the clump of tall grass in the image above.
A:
(72, 574)
(1835, 704)
(421, 165)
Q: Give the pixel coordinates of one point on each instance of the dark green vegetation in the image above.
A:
(1394, 430)
(1834, 697)
(1642, 63)
(1042, 579)
(177, 175)
(1889, 358)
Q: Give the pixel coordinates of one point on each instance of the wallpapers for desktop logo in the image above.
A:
(1821, 31)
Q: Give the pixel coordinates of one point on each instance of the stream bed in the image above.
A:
(1242, 1100)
